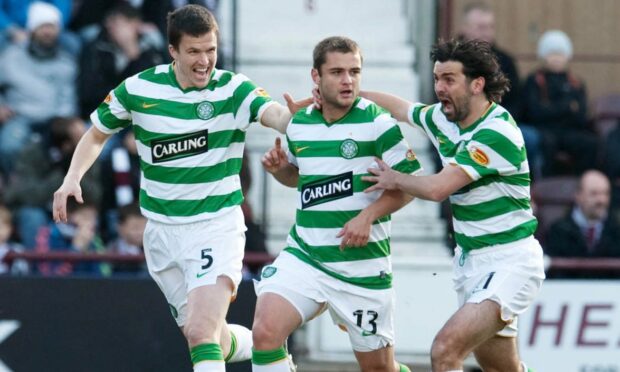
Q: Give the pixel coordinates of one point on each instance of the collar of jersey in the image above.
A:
(174, 81)
(491, 107)
(343, 118)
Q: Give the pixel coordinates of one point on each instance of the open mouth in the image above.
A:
(347, 93)
(201, 72)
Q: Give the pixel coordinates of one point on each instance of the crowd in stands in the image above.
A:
(60, 58)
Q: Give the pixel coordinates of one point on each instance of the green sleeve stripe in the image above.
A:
(407, 166)
(370, 282)
(330, 149)
(191, 175)
(463, 158)
(241, 93)
(108, 119)
(329, 219)
(358, 184)
(255, 106)
(501, 145)
(389, 139)
(216, 139)
(206, 352)
(516, 233)
(417, 110)
(489, 209)
(265, 357)
(184, 208)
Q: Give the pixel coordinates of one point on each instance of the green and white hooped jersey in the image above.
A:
(190, 141)
(495, 207)
(331, 159)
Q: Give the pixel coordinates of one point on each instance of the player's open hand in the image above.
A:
(384, 177)
(69, 187)
(275, 159)
(316, 98)
(294, 106)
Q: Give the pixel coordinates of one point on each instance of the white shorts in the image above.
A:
(367, 315)
(510, 274)
(183, 257)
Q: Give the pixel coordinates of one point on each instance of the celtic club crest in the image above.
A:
(349, 149)
(205, 110)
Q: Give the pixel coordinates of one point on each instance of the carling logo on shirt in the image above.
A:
(327, 189)
(180, 146)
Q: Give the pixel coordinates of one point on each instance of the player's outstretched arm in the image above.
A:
(86, 152)
(276, 162)
(277, 116)
(398, 107)
(436, 187)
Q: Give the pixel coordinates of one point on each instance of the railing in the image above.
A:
(250, 259)
(257, 259)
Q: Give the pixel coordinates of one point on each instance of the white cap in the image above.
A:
(554, 41)
(40, 13)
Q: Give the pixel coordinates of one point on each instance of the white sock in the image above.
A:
(210, 366)
(243, 343)
(279, 366)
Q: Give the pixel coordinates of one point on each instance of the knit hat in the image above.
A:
(40, 13)
(554, 41)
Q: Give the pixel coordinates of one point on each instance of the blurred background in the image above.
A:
(74, 296)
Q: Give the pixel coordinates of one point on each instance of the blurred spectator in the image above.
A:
(611, 165)
(120, 50)
(130, 227)
(589, 230)
(254, 236)
(38, 83)
(121, 186)
(40, 170)
(478, 23)
(7, 245)
(18, 18)
(78, 234)
(555, 106)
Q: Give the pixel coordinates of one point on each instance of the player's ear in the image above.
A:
(316, 77)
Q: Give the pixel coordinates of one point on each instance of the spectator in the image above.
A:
(16, 19)
(589, 230)
(122, 184)
(78, 234)
(39, 83)
(555, 106)
(478, 23)
(131, 225)
(7, 245)
(120, 50)
(39, 170)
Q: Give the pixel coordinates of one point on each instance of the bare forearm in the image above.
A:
(277, 117)
(86, 152)
(288, 176)
(389, 202)
(398, 107)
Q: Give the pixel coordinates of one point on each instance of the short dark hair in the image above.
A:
(124, 9)
(333, 44)
(129, 210)
(60, 129)
(478, 60)
(194, 20)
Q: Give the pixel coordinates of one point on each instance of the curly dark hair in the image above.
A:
(478, 61)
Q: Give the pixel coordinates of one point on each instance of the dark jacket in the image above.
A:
(565, 239)
(511, 100)
(554, 101)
